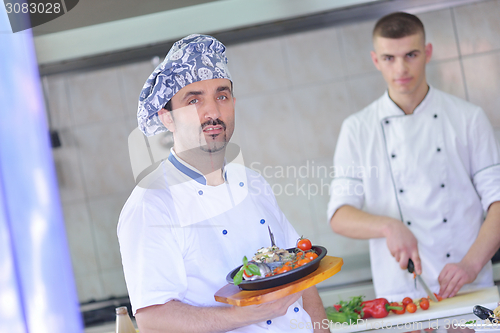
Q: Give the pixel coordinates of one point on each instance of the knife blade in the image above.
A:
(411, 269)
(271, 236)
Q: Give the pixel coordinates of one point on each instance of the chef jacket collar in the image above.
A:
(191, 171)
(391, 109)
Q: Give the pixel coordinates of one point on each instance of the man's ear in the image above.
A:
(166, 119)
(375, 59)
(428, 52)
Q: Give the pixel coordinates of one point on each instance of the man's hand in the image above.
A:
(265, 311)
(453, 277)
(402, 244)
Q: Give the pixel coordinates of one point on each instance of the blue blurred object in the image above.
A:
(37, 288)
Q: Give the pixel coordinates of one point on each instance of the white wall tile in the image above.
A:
(104, 212)
(257, 67)
(56, 92)
(365, 89)
(439, 32)
(114, 283)
(132, 78)
(292, 194)
(313, 56)
(321, 178)
(270, 124)
(340, 246)
(478, 26)
(446, 76)
(95, 96)
(104, 158)
(356, 40)
(80, 238)
(482, 74)
(89, 287)
(69, 173)
(322, 109)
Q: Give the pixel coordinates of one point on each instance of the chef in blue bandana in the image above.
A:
(192, 220)
(418, 173)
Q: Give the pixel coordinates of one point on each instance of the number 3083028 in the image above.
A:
(40, 8)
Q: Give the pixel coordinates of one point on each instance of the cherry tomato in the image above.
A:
(424, 303)
(406, 301)
(311, 256)
(302, 262)
(247, 275)
(300, 255)
(439, 298)
(304, 244)
(411, 308)
(284, 269)
(403, 310)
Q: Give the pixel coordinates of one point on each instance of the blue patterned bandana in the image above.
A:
(194, 58)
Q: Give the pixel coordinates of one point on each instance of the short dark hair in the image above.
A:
(398, 25)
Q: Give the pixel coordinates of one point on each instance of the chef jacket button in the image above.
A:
(409, 222)
(200, 192)
(387, 121)
(445, 220)
(393, 156)
(262, 221)
(224, 232)
(401, 191)
(435, 116)
(439, 149)
(442, 185)
(447, 255)
(269, 322)
(242, 184)
(296, 309)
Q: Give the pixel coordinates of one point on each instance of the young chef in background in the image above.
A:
(191, 221)
(416, 171)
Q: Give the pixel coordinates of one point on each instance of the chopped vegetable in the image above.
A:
(406, 301)
(346, 311)
(248, 270)
(396, 304)
(411, 308)
(424, 303)
(378, 308)
(304, 244)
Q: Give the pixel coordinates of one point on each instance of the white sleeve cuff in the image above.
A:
(487, 184)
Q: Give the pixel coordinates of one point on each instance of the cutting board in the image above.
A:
(231, 294)
(458, 305)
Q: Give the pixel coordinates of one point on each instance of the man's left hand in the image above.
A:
(453, 277)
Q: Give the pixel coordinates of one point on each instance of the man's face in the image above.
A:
(202, 116)
(402, 63)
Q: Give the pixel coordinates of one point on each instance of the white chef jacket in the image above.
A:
(437, 170)
(179, 237)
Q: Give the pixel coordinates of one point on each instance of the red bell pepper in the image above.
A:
(377, 308)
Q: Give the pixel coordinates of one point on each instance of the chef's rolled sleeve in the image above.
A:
(485, 159)
(151, 254)
(346, 187)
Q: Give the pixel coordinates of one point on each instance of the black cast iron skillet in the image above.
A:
(280, 279)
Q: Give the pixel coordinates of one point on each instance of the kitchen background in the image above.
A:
(293, 91)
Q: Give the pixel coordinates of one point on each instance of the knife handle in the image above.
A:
(411, 266)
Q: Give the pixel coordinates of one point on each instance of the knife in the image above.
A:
(411, 269)
(272, 236)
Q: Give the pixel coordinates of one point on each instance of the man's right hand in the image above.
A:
(402, 244)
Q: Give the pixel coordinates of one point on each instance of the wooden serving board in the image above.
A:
(231, 294)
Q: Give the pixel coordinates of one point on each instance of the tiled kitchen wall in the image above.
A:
(293, 92)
